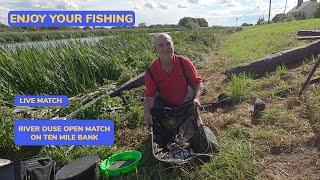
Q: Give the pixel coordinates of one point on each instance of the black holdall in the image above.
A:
(204, 141)
(36, 168)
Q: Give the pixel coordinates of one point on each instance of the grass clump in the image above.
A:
(7, 145)
(238, 87)
(236, 161)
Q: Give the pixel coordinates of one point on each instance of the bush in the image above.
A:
(246, 24)
(193, 22)
(317, 12)
(261, 21)
(299, 15)
(278, 18)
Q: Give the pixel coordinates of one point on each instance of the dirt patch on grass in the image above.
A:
(302, 162)
(131, 138)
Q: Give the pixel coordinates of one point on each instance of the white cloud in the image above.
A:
(90, 1)
(163, 5)
(136, 4)
(183, 5)
(200, 2)
(231, 4)
(67, 5)
(228, 8)
(290, 5)
(43, 5)
(222, 14)
(4, 14)
(150, 5)
(153, 5)
(260, 5)
(193, 1)
(137, 7)
(217, 13)
(277, 10)
(277, 6)
(224, 1)
(206, 2)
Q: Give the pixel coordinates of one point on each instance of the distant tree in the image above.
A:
(261, 21)
(87, 28)
(193, 22)
(3, 26)
(217, 27)
(183, 22)
(141, 25)
(164, 26)
(202, 22)
(192, 25)
(246, 24)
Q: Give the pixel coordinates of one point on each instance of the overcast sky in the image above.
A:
(216, 12)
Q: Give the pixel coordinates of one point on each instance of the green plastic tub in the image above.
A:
(120, 163)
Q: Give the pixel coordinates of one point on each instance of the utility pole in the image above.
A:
(236, 21)
(269, 11)
(285, 8)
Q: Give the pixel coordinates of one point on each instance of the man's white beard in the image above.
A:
(168, 54)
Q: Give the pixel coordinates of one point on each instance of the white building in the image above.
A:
(305, 8)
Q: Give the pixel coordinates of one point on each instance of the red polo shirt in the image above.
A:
(172, 86)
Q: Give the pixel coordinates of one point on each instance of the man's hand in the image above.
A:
(196, 100)
(196, 103)
(148, 103)
(148, 119)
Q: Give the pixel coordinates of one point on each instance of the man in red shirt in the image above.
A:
(166, 78)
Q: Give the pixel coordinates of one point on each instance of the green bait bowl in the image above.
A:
(120, 163)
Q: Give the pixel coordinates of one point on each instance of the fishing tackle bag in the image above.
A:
(204, 141)
(36, 168)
